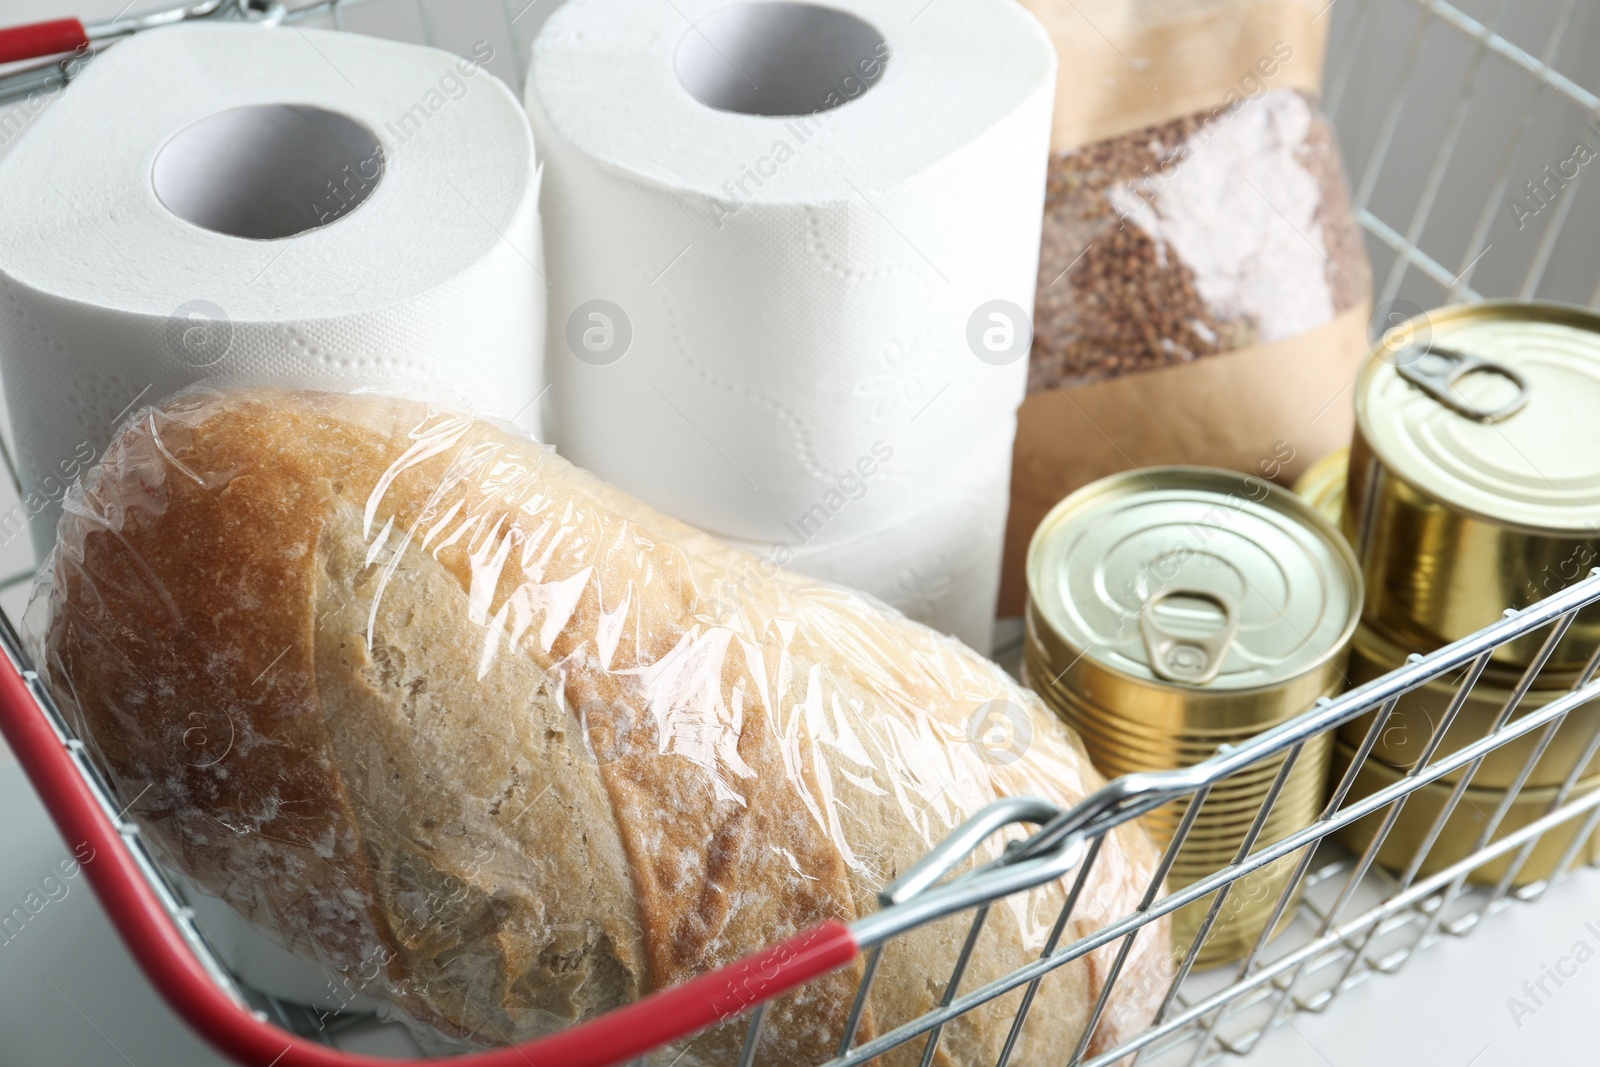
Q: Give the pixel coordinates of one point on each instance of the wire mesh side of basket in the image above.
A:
(1357, 918)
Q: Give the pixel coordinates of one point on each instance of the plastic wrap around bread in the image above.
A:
(488, 737)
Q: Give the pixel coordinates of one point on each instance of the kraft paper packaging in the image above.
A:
(1203, 288)
(752, 288)
(238, 202)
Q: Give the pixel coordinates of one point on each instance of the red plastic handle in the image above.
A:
(161, 952)
(42, 39)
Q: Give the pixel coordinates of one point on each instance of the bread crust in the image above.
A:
(485, 735)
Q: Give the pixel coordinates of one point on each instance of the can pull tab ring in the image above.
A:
(1186, 658)
(1441, 385)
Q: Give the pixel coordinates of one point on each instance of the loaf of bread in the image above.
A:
(485, 736)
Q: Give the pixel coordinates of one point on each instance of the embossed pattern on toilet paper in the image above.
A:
(938, 565)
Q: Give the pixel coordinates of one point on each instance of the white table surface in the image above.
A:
(71, 996)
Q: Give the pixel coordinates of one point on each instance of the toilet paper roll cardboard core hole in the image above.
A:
(268, 171)
(779, 58)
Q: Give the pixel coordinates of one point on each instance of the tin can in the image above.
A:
(1459, 836)
(1177, 609)
(1475, 473)
(1323, 484)
(1417, 714)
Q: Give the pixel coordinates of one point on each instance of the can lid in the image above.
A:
(1192, 577)
(1490, 409)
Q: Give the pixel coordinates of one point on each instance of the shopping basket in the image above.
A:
(1356, 919)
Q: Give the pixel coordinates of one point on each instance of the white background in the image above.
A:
(70, 995)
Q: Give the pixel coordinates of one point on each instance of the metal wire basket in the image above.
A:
(1357, 918)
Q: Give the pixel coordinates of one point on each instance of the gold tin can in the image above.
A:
(1419, 712)
(1475, 473)
(1176, 609)
(1323, 484)
(1461, 832)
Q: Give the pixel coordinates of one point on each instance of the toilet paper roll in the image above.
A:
(241, 202)
(939, 566)
(781, 234)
